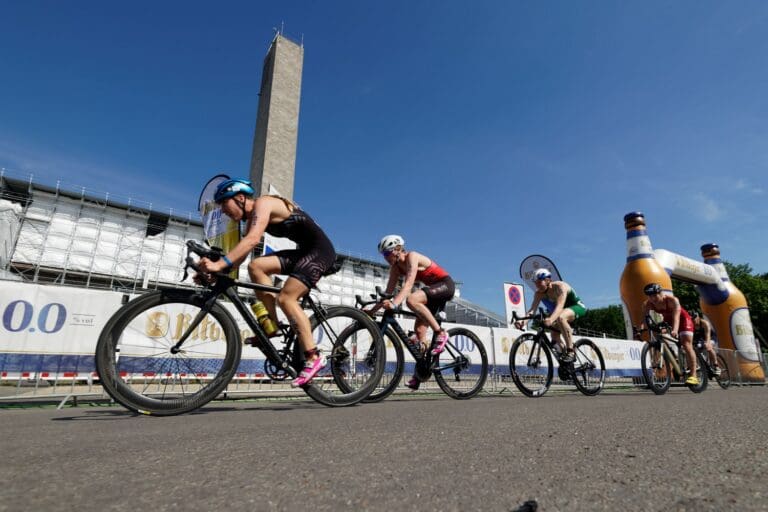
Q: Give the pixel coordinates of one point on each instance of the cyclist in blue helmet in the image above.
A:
(305, 265)
(563, 306)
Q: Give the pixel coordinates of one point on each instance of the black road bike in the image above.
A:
(724, 379)
(171, 351)
(662, 359)
(460, 370)
(530, 361)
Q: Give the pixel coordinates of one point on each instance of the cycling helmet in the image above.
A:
(652, 289)
(229, 188)
(389, 242)
(541, 273)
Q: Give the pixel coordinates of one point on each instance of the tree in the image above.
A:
(608, 320)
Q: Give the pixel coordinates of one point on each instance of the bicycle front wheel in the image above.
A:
(356, 355)
(140, 367)
(724, 379)
(393, 370)
(701, 373)
(530, 364)
(588, 368)
(462, 367)
(656, 369)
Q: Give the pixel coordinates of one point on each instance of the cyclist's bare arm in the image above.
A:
(394, 277)
(411, 268)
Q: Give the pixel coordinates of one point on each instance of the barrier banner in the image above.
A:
(622, 357)
(51, 328)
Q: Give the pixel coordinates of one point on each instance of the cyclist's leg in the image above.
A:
(686, 342)
(288, 299)
(563, 323)
(260, 271)
(417, 301)
(712, 355)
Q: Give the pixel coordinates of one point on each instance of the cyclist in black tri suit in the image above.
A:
(305, 265)
(702, 331)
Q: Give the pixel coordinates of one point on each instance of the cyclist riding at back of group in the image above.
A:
(681, 324)
(563, 306)
(425, 303)
(702, 332)
(305, 265)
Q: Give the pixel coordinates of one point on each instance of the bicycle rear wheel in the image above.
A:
(588, 368)
(530, 364)
(724, 379)
(138, 366)
(656, 370)
(351, 341)
(462, 368)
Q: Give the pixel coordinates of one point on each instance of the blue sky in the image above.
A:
(480, 131)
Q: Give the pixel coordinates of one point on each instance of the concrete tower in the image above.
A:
(273, 160)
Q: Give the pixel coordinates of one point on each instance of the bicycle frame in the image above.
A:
(227, 287)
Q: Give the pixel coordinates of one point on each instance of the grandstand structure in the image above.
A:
(53, 235)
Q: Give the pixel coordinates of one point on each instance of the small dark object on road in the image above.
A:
(528, 506)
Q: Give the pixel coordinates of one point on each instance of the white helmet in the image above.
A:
(541, 273)
(389, 242)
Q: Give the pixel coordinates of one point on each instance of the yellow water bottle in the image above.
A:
(262, 315)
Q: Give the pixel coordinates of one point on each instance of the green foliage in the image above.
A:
(609, 320)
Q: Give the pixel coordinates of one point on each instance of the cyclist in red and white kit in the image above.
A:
(676, 316)
(439, 288)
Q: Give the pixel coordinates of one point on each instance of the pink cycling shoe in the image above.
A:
(311, 369)
(440, 342)
(414, 383)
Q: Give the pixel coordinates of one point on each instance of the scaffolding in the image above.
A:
(54, 235)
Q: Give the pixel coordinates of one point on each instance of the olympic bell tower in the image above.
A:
(273, 158)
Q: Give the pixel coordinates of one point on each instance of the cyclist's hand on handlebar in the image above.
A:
(209, 267)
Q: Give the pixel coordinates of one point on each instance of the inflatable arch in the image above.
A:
(721, 302)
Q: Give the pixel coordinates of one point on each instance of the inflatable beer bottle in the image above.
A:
(641, 269)
(727, 309)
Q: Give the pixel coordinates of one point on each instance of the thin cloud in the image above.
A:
(707, 208)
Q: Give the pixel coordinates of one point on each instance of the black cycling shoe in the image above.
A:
(568, 357)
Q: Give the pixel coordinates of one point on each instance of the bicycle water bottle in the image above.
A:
(727, 309)
(642, 268)
(262, 315)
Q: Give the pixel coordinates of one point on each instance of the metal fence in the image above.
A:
(75, 388)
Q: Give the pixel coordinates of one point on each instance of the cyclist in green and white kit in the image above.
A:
(563, 306)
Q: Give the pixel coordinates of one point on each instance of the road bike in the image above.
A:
(172, 351)
(662, 359)
(530, 361)
(724, 379)
(460, 369)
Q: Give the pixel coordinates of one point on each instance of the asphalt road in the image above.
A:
(618, 451)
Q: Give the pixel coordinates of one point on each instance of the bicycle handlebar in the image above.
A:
(194, 247)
